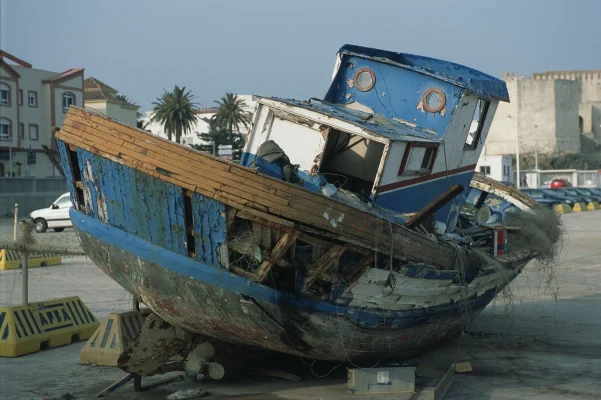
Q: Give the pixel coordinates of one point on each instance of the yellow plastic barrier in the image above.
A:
(562, 209)
(579, 207)
(11, 259)
(112, 338)
(593, 205)
(25, 329)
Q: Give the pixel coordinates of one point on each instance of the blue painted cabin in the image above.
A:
(395, 129)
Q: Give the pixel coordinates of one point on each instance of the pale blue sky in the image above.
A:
(287, 48)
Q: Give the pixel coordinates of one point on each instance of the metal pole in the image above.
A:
(25, 293)
(517, 136)
(16, 221)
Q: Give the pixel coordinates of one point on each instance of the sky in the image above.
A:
(287, 48)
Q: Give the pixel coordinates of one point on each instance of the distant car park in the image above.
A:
(548, 198)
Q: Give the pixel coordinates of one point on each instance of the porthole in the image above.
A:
(364, 79)
(434, 100)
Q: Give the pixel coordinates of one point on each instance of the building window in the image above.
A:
(418, 159)
(5, 129)
(20, 97)
(21, 131)
(485, 170)
(68, 99)
(4, 94)
(31, 158)
(33, 132)
(33, 99)
(475, 130)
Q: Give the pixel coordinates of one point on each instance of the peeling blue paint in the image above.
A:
(210, 228)
(188, 267)
(141, 205)
(447, 71)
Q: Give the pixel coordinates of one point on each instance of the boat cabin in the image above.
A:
(393, 129)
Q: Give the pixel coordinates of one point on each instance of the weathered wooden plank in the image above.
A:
(323, 264)
(360, 224)
(440, 201)
(230, 200)
(287, 240)
(300, 194)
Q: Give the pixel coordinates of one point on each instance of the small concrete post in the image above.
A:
(25, 293)
(16, 221)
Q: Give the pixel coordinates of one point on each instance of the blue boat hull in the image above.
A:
(201, 298)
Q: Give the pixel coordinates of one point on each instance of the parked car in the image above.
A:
(595, 191)
(572, 192)
(56, 216)
(559, 183)
(588, 192)
(548, 198)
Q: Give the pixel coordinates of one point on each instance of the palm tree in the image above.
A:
(176, 111)
(230, 114)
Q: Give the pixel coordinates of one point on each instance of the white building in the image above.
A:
(201, 125)
(32, 103)
(104, 99)
(497, 167)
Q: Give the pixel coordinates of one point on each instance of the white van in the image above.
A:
(56, 216)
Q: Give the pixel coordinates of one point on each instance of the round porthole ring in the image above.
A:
(373, 79)
(442, 96)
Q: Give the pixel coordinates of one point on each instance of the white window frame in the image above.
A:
(4, 88)
(37, 131)
(5, 123)
(32, 95)
(67, 95)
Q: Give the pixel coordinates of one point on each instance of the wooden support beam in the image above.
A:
(359, 269)
(278, 252)
(323, 264)
(265, 219)
(434, 205)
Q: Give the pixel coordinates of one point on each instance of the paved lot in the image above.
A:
(543, 344)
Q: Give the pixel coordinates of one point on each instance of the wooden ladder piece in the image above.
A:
(323, 264)
(278, 252)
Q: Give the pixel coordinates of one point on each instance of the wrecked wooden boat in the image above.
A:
(339, 236)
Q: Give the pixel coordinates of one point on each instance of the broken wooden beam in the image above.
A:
(323, 265)
(434, 205)
(277, 253)
(359, 269)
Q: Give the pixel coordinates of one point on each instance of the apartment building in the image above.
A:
(107, 101)
(33, 102)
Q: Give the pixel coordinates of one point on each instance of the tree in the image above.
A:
(215, 137)
(230, 114)
(176, 111)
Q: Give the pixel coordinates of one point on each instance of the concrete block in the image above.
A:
(11, 259)
(387, 380)
(562, 209)
(578, 207)
(26, 329)
(112, 338)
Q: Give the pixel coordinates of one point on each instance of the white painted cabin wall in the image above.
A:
(393, 163)
(300, 143)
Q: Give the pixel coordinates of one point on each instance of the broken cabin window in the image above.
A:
(418, 159)
(475, 130)
(351, 162)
